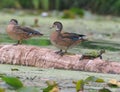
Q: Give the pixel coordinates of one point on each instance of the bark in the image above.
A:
(46, 58)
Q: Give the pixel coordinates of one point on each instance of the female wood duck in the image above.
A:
(20, 33)
(64, 40)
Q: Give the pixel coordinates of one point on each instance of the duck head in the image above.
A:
(13, 21)
(58, 26)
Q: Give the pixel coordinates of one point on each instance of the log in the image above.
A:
(47, 58)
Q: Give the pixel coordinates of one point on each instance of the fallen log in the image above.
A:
(46, 58)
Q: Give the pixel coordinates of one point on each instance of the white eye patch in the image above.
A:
(57, 28)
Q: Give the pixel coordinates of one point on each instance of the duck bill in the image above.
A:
(52, 26)
(40, 34)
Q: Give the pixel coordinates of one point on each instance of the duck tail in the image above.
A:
(83, 37)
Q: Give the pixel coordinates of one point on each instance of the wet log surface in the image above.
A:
(47, 58)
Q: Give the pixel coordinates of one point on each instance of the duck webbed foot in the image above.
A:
(60, 52)
(57, 52)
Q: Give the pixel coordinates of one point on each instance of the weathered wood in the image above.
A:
(46, 58)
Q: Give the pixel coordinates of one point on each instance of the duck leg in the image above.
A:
(19, 42)
(65, 51)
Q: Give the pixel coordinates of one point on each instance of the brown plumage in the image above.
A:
(64, 40)
(20, 33)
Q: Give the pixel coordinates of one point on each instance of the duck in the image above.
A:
(64, 40)
(19, 33)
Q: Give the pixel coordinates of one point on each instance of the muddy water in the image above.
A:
(32, 76)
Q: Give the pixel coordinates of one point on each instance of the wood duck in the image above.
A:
(20, 33)
(64, 40)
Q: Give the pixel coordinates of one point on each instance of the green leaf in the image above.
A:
(79, 85)
(93, 79)
(52, 85)
(14, 69)
(48, 88)
(12, 81)
(28, 89)
(112, 85)
(99, 80)
(104, 90)
(90, 78)
(2, 90)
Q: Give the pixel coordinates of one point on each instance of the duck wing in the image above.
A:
(72, 36)
(26, 30)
